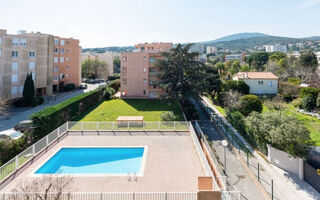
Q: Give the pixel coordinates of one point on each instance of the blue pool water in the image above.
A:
(115, 160)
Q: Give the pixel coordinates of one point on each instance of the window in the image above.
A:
(32, 54)
(56, 41)
(15, 54)
(14, 66)
(270, 83)
(55, 78)
(67, 50)
(67, 75)
(124, 70)
(152, 60)
(67, 58)
(0, 40)
(55, 60)
(144, 58)
(14, 90)
(56, 50)
(62, 42)
(144, 70)
(62, 51)
(124, 81)
(15, 41)
(61, 59)
(144, 92)
(124, 58)
(56, 69)
(32, 66)
(67, 67)
(61, 76)
(67, 42)
(260, 82)
(144, 81)
(33, 75)
(23, 42)
(20, 89)
(14, 78)
(0, 53)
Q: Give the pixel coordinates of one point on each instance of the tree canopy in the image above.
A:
(28, 90)
(94, 68)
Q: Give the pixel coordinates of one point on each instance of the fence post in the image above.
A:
(272, 189)
(258, 172)
(166, 196)
(58, 131)
(17, 162)
(47, 140)
(175, 129)
(97, 126)
(159, 125)
(133, 196)
(101, 197)
(128, 126)
(33, 150)
(248, 159)
(143, 126)
(112, 126)
(81, 123)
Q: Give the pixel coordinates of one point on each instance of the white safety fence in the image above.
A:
(103, 196)
(231, 195)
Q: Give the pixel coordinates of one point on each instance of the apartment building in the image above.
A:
(231, 57)
(211, 49)
(107, 57)
(139, 73)
(66, 62)
(276, 48)
(22, 54)
(43, 55)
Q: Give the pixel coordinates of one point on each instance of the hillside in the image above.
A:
(237, 36)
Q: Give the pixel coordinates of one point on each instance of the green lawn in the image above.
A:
(149, 109)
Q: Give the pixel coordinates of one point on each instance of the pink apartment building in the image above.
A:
(139, 73)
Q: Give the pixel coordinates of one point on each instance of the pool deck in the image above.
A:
(172, 163)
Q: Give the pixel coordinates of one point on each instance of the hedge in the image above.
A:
(52, 117)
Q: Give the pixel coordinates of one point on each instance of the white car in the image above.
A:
(10, 134)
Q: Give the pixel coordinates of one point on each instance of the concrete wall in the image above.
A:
(285, 161)
(312, 176)
(256, 88)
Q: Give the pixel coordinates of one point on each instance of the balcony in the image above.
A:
(154, 74)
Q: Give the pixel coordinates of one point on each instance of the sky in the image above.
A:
(100, 23)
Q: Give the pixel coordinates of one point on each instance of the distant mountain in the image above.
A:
(237, 36)
(113, 49)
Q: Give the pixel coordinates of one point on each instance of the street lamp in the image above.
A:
(225, 144)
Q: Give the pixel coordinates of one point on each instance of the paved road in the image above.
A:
(286, 185)
(17, 115)
(237, 177)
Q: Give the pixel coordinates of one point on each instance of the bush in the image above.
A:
(11, 148)
(309, 90)
(167, 116)
(239, 86)
(308, 102)
(115, 85)
(19, 102)
(294, 81)
(297, 103)
(37, 101)
(249, 103)
(69, 87)
(52, 117)
(108, 93)
(318, 101)
(288, 91)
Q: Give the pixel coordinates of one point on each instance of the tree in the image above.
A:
(211, 80)
(221, 67)
(281, 131)
(28, 90)
(258, 60)
(180, 73)
(94, 68)
(245, 68)
(308, 102)
(249, 103)
(116, 64)
(309, 60)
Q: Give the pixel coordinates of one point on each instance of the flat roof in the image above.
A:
(172, 163)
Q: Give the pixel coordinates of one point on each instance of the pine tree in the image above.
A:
(28, 90)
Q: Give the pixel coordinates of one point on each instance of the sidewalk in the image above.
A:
(286, 186)
(237, 177)
(9, 121)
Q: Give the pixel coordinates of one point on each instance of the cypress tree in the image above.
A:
(28, 90)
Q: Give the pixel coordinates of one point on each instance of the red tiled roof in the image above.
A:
(256, 75)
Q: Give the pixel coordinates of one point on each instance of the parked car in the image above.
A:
(83, 86)
(23, 126)
(10, 134)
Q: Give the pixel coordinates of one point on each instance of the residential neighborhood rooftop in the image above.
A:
(256, 75)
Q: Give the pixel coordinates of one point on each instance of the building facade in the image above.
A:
(211, 49)
(139, 73)
(260, 83)
(33, 53)
(107, 57)
(276, 48)
(231, 57)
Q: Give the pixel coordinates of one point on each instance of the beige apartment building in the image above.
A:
(34, 53)
(139, 73)
(107, 57)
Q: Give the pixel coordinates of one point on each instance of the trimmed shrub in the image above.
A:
(297, 103)
(37, 101)
(108, 93)
(249, 103)
(69, 87)
(52, 117)
(308, 102)
(239, 86)
(167, 116)
(294, 81)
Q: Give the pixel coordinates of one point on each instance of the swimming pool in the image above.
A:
(95, 160)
